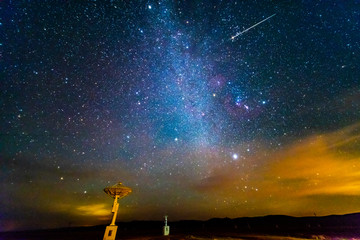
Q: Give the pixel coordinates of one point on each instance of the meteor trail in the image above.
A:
(240, 33)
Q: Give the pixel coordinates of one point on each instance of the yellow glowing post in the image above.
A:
(116, 191)
(166, 229)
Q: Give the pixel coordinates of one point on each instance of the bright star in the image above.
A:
(235, 156)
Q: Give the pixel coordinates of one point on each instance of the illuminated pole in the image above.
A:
(116, 191)
(166, 227)
(115, 210)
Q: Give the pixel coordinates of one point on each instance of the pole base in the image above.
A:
(110, 232)
(166, 230)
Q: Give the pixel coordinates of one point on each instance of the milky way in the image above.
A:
(155, 95)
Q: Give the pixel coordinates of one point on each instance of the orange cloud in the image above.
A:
(293, 179)
(319, 164)
(94, 210)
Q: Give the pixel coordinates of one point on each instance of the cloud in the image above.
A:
(293, 180)
(99, 210)
(320, 164)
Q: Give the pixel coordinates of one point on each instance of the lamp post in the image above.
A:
(166, 227)
(116, 191)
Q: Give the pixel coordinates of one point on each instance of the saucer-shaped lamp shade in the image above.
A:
(117, 190)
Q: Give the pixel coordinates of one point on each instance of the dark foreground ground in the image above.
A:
(266, 228)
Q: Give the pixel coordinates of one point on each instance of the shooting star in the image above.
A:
(240, 33)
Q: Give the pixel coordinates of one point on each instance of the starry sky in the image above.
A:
(204, 108)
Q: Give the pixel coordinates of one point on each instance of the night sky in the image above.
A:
(204, 108)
